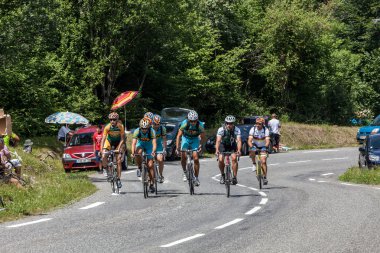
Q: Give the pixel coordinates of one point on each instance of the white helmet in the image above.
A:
(230, 119)
(149, 115)
(192, 115)
(144, 123)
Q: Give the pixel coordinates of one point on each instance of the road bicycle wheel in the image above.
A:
(259, 174)
(112, 178)
(190, 177)
(117, 190)
(227, 180)
(144, 181)
(155, 177)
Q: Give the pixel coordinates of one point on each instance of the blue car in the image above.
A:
(369, 153)
(364, 131)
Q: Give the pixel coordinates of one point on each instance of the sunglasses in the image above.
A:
(229, 123)
(113, 120)
(144, 129)
(193, 121)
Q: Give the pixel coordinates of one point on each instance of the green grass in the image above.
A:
(48, 185)
(361, 176)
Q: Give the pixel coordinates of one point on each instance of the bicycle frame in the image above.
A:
(144, 174)
(112, 168)
(259, 169)
(227, 172)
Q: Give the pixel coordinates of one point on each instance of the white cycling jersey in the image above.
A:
(221, 130)
(259, 136)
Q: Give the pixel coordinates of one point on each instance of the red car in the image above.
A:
(79, 152)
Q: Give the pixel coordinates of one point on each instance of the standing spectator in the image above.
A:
(62, 133)
(11, 140)
(274, 127)
(97, 140)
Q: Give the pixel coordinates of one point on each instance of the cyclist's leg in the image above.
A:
(234, 164)
(264, 163)
(106, 148)
(194, 147)
(160, 158)
(221, 160)
(119, 158)
(184, 146)
(139, 150)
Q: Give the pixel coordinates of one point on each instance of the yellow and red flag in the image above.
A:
(123, 99)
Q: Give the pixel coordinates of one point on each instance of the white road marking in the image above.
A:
(241, 185)
(348, 184)
(92, 205)
(338, 158)
(229, 223)
(114, 194)
(327, 174)
(263, 201)
(29, 223)
(245, 168)
(182, 240)
(311, 179)
(254, 210)
(321, 151)
(273, 164)
(254, 189)
(128, 172)
(301, 161)
(263, 194)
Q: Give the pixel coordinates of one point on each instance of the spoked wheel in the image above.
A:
(144, 181)
(260, 174)
(227, 181)
(190, 178)
(155, 177)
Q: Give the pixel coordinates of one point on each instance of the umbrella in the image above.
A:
(123, 99)
(66, 118)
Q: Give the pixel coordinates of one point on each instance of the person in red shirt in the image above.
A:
(97, 140)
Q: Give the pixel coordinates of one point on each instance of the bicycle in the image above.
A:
(190, 169)
(259, 169)
(145, 174)
(112, 170)
(156, 170)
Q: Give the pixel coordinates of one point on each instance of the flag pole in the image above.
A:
(125, 118)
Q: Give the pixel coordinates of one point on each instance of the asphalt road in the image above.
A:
(304, 208)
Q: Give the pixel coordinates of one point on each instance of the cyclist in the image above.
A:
(228, 138)
(144, 138)
(114, 138)
(258, 141)
(161, 145)
(192, 136)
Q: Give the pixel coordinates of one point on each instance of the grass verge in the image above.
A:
(48, 185)
(361, 176)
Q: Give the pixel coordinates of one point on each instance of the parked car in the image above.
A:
(364, 131)
(79, 152)
(369, 153)
(210, 143)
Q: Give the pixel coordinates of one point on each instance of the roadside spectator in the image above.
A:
(274, 127)
(11, 140)
(28, 146)
(6, 164)
(63, 132)
(97, 140)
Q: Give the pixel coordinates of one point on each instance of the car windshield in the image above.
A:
(376, 121)
(174, 114)
(375, 142)
(81, 139)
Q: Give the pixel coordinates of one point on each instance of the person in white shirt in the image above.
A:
(274, 127)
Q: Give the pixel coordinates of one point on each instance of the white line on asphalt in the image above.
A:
(128, 172)
(254, 189)
(245, 168)
(263, 201)
(349, 184)
(311, 179)
(338, 158)
(254, 210)
(321, 181)
(241, 185)
(273, 164)
(29, 223)
(301, 161)
(327, 174)
(321, 151)
(263, 194)
(92, 205)
(182, 240)
(229, 223)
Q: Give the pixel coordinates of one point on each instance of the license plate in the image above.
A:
(362, 137)
(83, 160)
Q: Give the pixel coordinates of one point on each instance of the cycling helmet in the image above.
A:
(260, 120)
(156, 119)
(113, 115)
(192, 115)
(149, 115)
(230, 119)
(144, 123)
